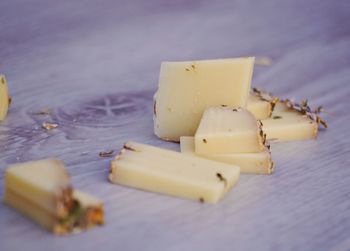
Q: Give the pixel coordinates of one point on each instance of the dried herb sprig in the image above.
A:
(301, 107)
(305, 109)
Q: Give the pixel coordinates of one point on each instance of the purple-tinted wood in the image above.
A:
(95, 65)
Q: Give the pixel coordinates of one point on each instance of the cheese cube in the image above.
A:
(41, 190)
(287, 125)
(229, 130)
(4, 98)
(186, 89)
(172, 173)
(51, 190)
(261, 109)
(256, 163)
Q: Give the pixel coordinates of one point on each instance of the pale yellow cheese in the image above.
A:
(163, 171)
(39, 215)
(228, 130)
(261, 109)
(186, 89)
(41, 182)
(87, 200)
(4, 98)
(289, 125)
(41, 190)
(257, 163)
(280, 107)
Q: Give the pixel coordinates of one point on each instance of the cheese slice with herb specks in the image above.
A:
(42, 191)
(229, 130)
(186, 89)
(261, 109)
(288, 125)
(257, 163)
(163, 171)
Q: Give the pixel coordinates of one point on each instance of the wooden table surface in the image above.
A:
(95, 65)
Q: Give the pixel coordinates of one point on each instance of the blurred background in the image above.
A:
(104, 42)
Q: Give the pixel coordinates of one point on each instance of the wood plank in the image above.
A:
(95, 65)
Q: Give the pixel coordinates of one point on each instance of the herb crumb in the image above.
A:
(129, 148)
(49, 126)
(221, 178)
(106, 154)
(276, 117)
(44, 111)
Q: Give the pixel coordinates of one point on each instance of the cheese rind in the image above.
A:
(163, 171)
(255, 163)
(41, 190)
(88, 213)
(4, 98)
(91, 207)
(288, 125)
(261, 109)
(186, 89)
(228, 130)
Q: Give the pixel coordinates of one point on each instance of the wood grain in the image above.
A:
(95, 65)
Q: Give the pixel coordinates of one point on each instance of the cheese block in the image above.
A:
(229, 130)
(288, 125)
(261, 109)
(51, 190)
(255, 163)
(86, 213)
(42, 191)
(186, 89)
(167, 172)
(4, 98)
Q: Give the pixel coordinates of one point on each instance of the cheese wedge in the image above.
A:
(42, 191)
(51, 190)
(5, 100)
(256, 163)
(261, 109)
(229, 130)
(163, 171)
(288, 125)
(186, 89)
